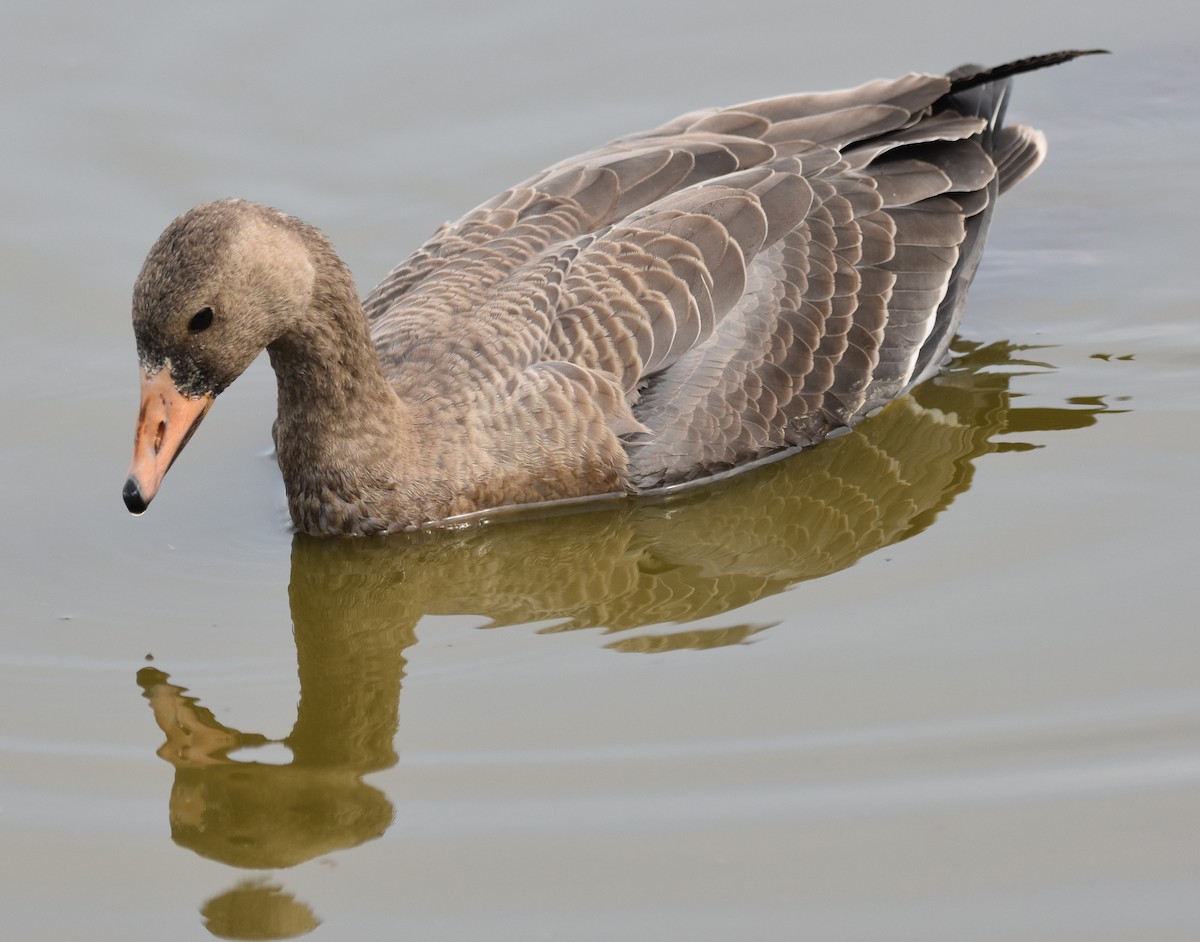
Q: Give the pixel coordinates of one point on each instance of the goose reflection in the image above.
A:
(644, 569)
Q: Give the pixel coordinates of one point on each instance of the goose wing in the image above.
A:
(733, 283)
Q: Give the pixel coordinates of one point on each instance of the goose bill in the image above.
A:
(165, 423)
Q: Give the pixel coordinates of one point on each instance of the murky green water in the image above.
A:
(937, 679)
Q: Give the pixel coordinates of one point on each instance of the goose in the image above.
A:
(676, 306)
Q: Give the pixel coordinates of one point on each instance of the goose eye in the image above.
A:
(201, 320)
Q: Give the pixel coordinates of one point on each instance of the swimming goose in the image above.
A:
(734, 286)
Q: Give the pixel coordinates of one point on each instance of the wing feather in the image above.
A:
(730, 284)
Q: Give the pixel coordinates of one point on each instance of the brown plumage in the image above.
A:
(733, 286)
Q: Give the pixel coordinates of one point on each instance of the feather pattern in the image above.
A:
(750, 279)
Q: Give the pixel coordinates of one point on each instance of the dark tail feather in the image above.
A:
(983, 92)
(972, 76)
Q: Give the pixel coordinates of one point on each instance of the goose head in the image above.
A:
(222, 283)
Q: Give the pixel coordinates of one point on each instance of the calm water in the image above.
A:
(936, 680)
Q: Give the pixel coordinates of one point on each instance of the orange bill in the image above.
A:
(165, 423)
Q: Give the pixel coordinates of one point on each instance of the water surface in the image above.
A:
(935, 680)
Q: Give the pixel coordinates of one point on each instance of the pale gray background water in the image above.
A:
(988, 731)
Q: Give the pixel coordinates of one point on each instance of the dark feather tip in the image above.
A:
(975, 79)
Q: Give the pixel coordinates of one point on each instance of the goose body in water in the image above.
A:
(677, 305)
